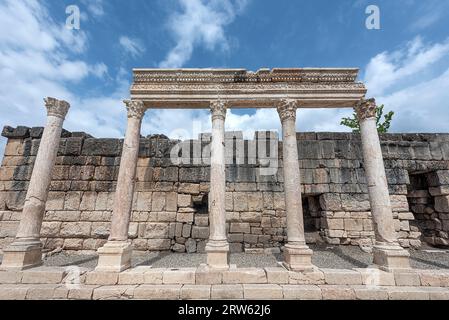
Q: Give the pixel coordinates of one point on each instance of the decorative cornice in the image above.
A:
(287, 109)
(365, 109)
(135, 108)
(57, 108)
(315, 75)
(218, 109)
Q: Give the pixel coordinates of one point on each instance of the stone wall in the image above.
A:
(170, 207)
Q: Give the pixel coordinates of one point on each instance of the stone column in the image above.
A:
(297, 255)
(26, 250)
(115, 255)
(388, 254)
(217, 247)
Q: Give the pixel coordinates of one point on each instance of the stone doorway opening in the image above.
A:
(312, 218)
(422, 205)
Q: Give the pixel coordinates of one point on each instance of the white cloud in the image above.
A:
(413, 82)
(94, 7)
(201, 23)
(38, 58)
(132, 46)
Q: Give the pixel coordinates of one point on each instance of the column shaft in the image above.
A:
(115, 255)
(387, 252)
(26, 250)
(217, 247)
(297, 255)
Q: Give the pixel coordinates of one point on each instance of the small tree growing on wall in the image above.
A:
(382, 126)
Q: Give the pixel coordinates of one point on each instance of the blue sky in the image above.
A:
(405, 64)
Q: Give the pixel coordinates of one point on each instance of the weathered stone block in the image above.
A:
(245, 275)
(195, 292)
(158, 292)
(301, 292)
(227, 291)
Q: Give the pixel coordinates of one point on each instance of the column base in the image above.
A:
(114, 256)
(391, 258)
(217, 254)
(298, 257)
(22, 255)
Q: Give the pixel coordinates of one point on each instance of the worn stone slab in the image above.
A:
(42, 291)
(434, 278)
(158, 292)
(262, 291)
(310, 277)
(227, 291)
(205, 275)
(301, 292)
(13, 292)
(245, 275)
(407, 293)
(116, 292)
(179, 276)
(154, 276)
(376, 277)
(370, 293)
(84, 292)
(101, 278)
(133, 276)
(342, 276)
(195, 292)
(10, 277)
(44, 275)
(407, 279)
(337, 292)
(437, 293)
(277, 275)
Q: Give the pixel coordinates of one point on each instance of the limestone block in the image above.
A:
(406, 216)
(278, 201)
(166, 216)
(262, 291)
(44, 292)
(434, 278)
(368, 293)
(44, 275)
(439, 191)
(50, 229)
(277, 275)
(75, 229)
(158, 201)
(302, 292)
(185, 217)
(251, 216)
(8, 228)
(179, 276)
(189, 188)
(154, 230)
(13, 292)
(227, 291)
(117, 292)
(184, 200)
(268, 200)
(240, 201)
(245, 275)
(331, 202)
(229, 201)
(374, 277)
(143, 201)
(133, 276)
(153, 276)
(206, 275)
(341, 276)
(171, 203)
(195, 292)
(408, 293)
(334, 223)
(82, 293)
(407, 279)
(240, 228)
(200, 232)
(337, 292)
(158, 244)
(353, 224)
(399, 203)
(55, 201)
(190, 245)
(88, 201)
(158, 292)
(442, 204)
(101, 278)
(63, 216)
(10, 277)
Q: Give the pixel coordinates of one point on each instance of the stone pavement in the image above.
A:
(146, 282)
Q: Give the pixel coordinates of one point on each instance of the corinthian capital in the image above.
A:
(56, 108)
(136, 109)
(287, 109)
(366, 109)
(218, 109)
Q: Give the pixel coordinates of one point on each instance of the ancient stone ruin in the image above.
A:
(221, 193)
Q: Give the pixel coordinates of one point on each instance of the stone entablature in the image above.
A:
(195, 88)
(170, 203)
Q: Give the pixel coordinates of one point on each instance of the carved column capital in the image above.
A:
(287, 109)
(56, 108)
(218, 109)
(365, 109)
(136, 109)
